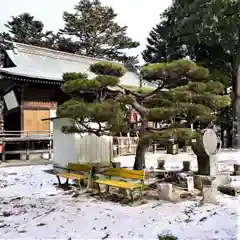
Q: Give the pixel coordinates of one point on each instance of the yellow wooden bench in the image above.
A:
(77, 172)
(122, 182)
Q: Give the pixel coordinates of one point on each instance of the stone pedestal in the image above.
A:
(213, 165)
(165, 191)
(223, 179)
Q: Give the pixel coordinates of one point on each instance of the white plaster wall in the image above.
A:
(86, 148)
(53, 114)
(64, 149)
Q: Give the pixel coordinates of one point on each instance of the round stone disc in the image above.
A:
(210, 141)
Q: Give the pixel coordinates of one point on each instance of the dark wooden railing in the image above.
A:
(25, 143)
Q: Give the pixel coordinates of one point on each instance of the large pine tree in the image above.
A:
(184, 94)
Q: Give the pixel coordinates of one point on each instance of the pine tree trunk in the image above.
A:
(203, 159)
(236, 100)
(229, 138)
(222, 136)
(139, 163)
(203, 164)
(140, 158)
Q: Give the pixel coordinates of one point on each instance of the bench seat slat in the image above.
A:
(71, 175)
(120, 184)
(125, 173)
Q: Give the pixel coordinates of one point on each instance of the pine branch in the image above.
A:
(142, 96)
(159, 88)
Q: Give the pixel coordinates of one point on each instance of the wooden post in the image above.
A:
(161, 164)
(236, 169)
(3, 151)
(2, 129)
(50, 149)
(27, 151)
(186, 166)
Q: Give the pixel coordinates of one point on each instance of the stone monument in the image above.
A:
(206, 148)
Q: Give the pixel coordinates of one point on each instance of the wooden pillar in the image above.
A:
(22, 108)
(2, 129)
(3, 151)
(1, 117)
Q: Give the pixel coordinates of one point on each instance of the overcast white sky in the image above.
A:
(139, 15)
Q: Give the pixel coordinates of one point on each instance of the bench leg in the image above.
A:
(99, 189)
(80, 185)
(107, 189)
(131, 195)
(125, 193)
(59, 181)
(89, 183)
(66, 183)
(60, 184)
(140, 193)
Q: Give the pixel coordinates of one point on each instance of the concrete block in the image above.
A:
(32, 156)
(165, 191)
(209, 194)
(222, 179)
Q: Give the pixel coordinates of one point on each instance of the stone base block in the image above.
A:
(35, 156)
(165, 191)
(209, 194)
(222, 179)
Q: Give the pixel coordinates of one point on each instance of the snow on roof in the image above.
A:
(44, 63)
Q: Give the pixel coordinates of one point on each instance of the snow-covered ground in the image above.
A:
(31, 207)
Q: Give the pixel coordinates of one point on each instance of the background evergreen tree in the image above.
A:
(206, 31)
(162, 44)
(25, 29)
(184, 94)
(91, 30)
(96, 32)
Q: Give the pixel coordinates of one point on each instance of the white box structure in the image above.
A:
(76, 148)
